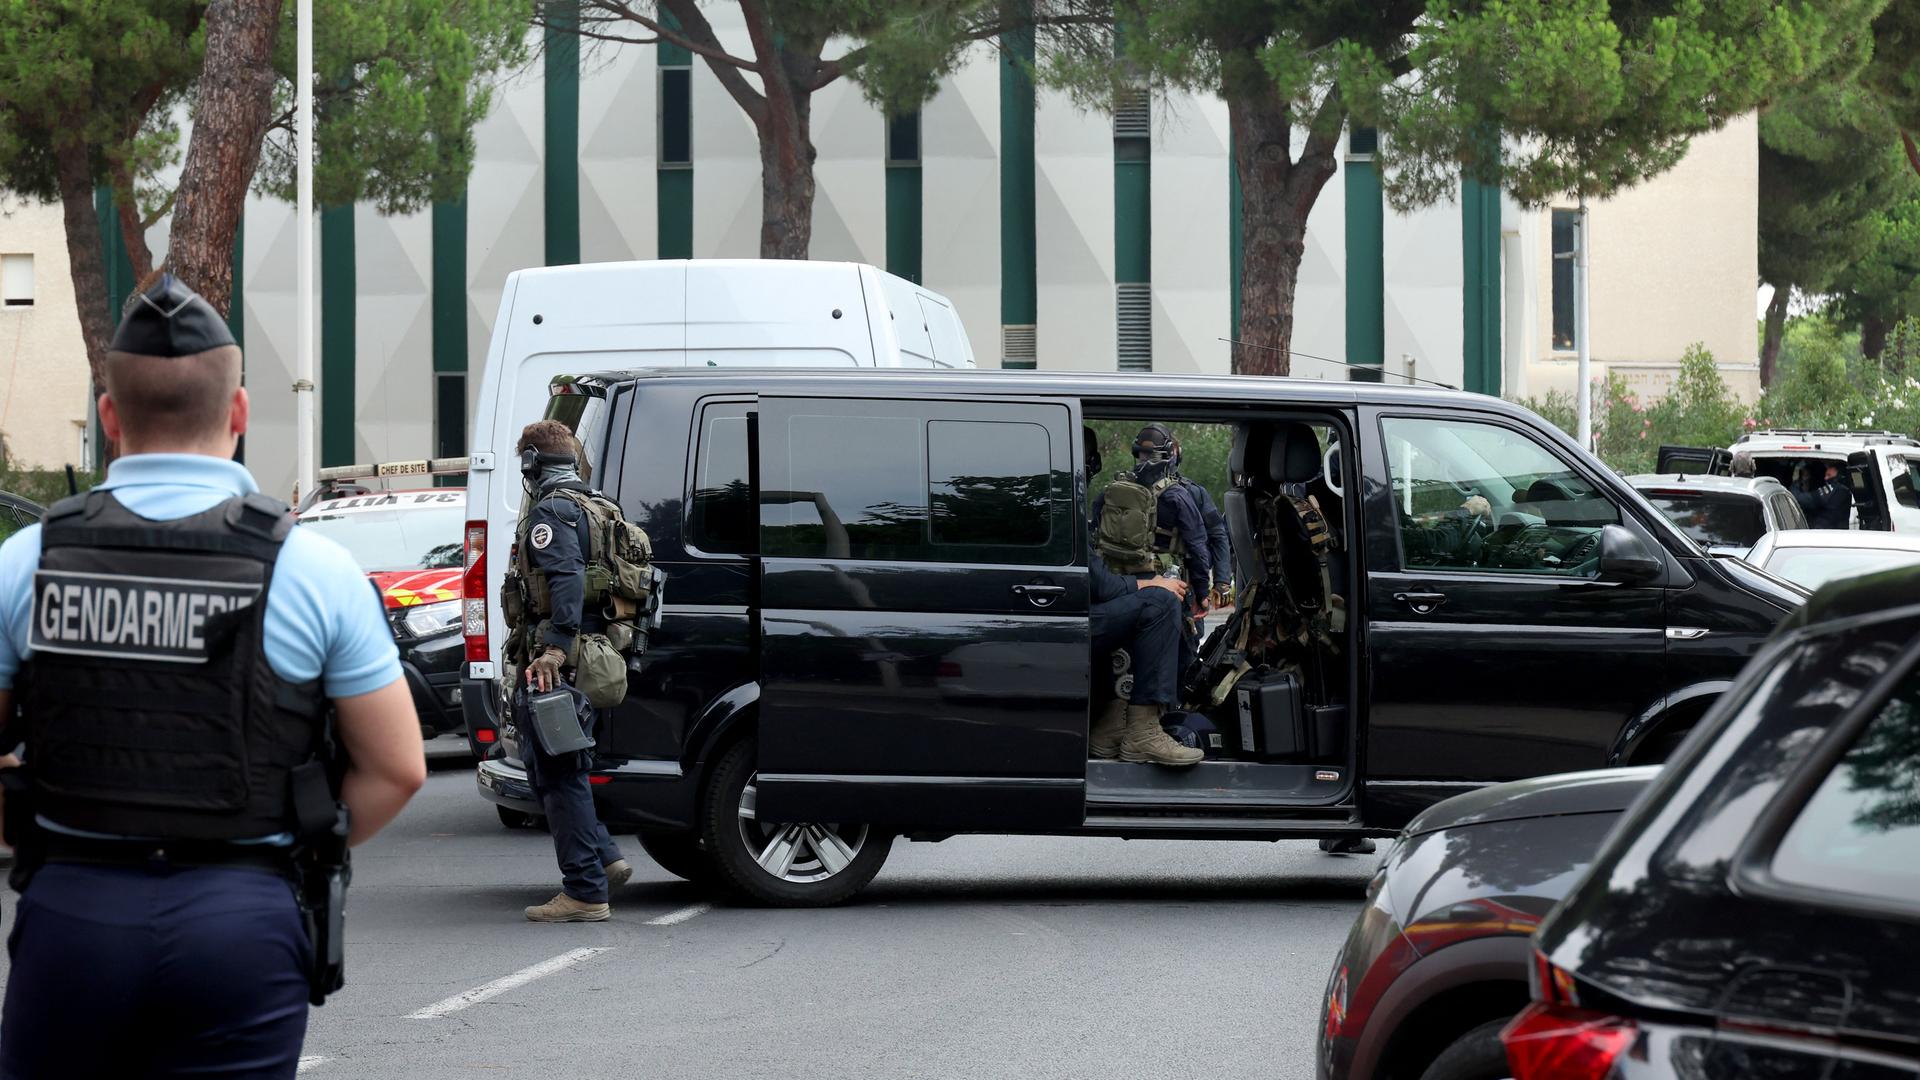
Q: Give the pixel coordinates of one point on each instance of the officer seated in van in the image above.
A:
(1144, 613)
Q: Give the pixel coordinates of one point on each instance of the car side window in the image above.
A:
(914, 481)
(1481, 497)
(1859, 834)
(720, 511)
(1787, 512)
(1905, 472)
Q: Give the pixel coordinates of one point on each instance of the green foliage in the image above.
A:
(1892, 74)
(1203, 452)
(1830, 170)
(44, 486)
(400, 85)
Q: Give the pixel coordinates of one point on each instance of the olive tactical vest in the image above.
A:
(150, 707)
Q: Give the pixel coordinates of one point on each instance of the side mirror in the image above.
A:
(1624, 558)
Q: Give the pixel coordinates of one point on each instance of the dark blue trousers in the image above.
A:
(581, 843)
(164, 972)
(1148, 623)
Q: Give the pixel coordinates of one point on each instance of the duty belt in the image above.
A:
(167, 854)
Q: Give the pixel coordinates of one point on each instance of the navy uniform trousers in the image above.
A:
(130, 972)
(581, 843)
(1150, 625)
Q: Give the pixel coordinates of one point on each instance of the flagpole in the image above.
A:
(303, 388)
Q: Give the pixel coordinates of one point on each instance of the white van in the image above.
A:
(1881, 468)
(561, 320)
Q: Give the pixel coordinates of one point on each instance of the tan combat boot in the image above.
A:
(564, 908)
(1103, 741)
(1145, 740)
(619, 872)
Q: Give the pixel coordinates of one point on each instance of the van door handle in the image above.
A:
(1040, 595)
(1422, 603)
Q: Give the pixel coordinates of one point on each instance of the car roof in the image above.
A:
(1687, 483)
(987, 382)
(1812, 443)
(1864, 539)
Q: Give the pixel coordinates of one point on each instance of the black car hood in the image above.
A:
(1598, 791)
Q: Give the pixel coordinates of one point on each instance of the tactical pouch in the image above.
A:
(599, 670)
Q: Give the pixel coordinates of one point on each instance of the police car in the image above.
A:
(408, 536)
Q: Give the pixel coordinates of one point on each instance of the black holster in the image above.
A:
(322, 871)
(23, 831)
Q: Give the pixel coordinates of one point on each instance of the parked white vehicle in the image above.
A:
(562, 320)
(1881, 467)
(1812, 557)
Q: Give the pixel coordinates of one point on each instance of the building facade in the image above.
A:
(1066, 239)
(44, 385)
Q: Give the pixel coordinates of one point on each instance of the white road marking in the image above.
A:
(675, 918)
(505, 983)
(309, 1063)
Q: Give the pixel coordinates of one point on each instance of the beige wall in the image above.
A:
(43, 365)
(1674, 261)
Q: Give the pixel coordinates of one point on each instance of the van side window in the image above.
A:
(1481, 497)
(720, 513)
(914, 481)
(1905, 471)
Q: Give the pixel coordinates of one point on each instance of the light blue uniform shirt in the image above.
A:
(323, 620)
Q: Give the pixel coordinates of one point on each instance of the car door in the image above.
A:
(1497, 648)
(1869, 491)
(924, 643)
(1692, 460)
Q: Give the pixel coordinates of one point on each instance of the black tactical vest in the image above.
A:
(150, 707)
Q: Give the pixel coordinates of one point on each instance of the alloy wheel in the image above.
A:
(798, 853)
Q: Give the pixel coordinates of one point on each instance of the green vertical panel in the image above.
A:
(675, 199)
(113, 249)
(338, 314)
(1366, 269)
(450, 285)
(1236, 244)
(562, 160)
(1132, 214)
(237, 299)
(669, 54)
(1019, 279)
(1480, 281)
(903, 221)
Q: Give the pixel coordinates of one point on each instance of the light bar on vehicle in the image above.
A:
(428, 467)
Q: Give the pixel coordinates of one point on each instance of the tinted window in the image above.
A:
(1905, 471)
(1860, 833)
(1482, 497)
(586, 415)
(720, 513)
(914, 481)
(990, 483)
(1714, 520)
(1786, 512)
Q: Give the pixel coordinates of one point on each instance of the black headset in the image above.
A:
(532, 461)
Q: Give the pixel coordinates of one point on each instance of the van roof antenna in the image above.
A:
(1326, 360)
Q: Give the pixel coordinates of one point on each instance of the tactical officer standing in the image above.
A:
(552, 625)
(174, 645)
(1830, 505)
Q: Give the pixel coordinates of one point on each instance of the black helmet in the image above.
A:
(1153, 444)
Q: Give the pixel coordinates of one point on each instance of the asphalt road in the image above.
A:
(989, 957)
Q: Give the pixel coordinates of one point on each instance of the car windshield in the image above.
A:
(1713, 520)
(1812, 567)
(395, 535)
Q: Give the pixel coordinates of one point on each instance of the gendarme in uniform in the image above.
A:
(171, 640)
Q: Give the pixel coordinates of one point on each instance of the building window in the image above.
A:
(1362, 142)
(449, 419)
(904, 220)
(1566, 226)
(16, 280)
(676, 116)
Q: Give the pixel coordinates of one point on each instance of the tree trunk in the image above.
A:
(1276, 193)
(1873, 336)
(85, 263)
(1776, 328)
(786, 175)
(236, 95)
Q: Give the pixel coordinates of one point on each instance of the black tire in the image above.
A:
(516, 819)
(681, 855)
(1477, 1055)
(810, 880)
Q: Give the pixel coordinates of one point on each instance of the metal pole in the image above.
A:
(1585, 363)
(303, 212)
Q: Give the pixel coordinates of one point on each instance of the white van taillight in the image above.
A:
(473, 593)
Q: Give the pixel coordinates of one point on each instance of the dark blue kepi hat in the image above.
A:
(170, 319)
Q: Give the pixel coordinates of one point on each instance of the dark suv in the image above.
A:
(877, 614)
(1755, 915)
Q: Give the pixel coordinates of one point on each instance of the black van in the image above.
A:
(877, 614)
